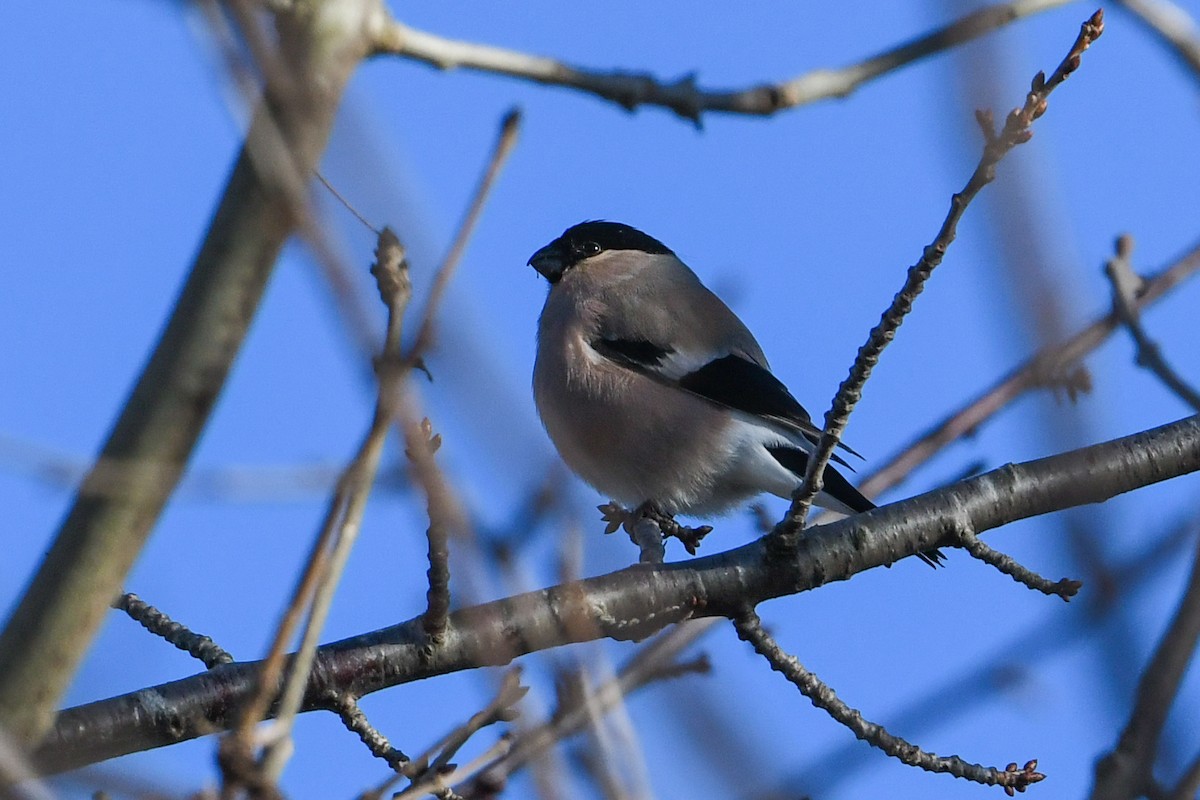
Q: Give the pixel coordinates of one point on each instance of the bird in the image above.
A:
(655, 393)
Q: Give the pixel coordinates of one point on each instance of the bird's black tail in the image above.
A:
(836, 486)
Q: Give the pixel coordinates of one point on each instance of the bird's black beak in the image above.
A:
(549, 262)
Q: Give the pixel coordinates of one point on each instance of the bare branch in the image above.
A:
(750, 629)
(635, 602)
(432, 770)
(158, 623)
(1016, 130)
(1127, 772)
(1126, 285)
(633, 89)
(1046, 367)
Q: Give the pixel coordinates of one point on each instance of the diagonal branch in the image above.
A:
(750, 629)
(637, 601)
(1125, 289)
(997, 144)
(633, 89)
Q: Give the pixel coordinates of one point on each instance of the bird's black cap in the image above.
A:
(587, 239)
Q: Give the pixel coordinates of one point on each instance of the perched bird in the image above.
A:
(653, 390)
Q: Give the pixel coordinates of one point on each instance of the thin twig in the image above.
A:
(1065, 588)
(346, 510)
(655, 661)
(168, 408)
(1044, 368)
(352, 716)
(1125, 287)
(420, 444)
(195, 644)
(510, 126)
(338, 530)
(1127, 770)
(438, 784)
(429, 768)
(1016, 130)
(346, 203)
(750, 629)
(632, 89)
(956, 698)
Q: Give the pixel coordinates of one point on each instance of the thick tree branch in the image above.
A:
(62, 608)
(635, 602)
(632, 89)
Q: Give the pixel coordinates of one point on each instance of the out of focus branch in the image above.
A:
(635, 602)
(61, 610)
(1126, 285)
(327, 559)
(1127, 772)
(1045, 368)
(633, 89)
(1171, 23)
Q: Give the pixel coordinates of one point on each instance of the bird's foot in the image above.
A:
(616, 516)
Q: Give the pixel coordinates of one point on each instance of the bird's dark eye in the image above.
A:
(589, 248)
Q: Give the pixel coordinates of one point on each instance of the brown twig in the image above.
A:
(657, 660)
(346, 511)
(1013, 654)
(506, 140)
(1016, 130)
(420, 444)
(750, 629)
(1126, 285)
(633, 89)
(1128, 770)
(194, 644)
(1045, 368)
(338, 532)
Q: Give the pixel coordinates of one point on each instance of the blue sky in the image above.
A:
(119, 130)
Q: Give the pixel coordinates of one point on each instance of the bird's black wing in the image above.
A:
(732, 381)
